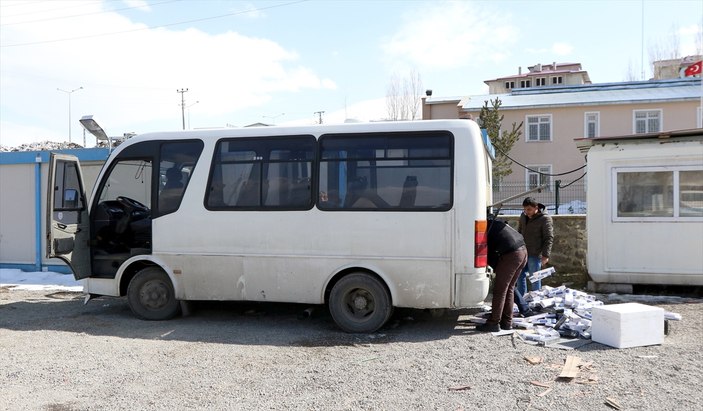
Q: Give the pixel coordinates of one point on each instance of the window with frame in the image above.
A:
(658, 192)
(592, 124)
(647, 121)
(509, 85)
(525, 83)
(177, 161)
(386, 171)
(538, 175)
(262, 174)
(128, 178)
(557, 80)
(540, 81)
(68, 188)
(539, 128)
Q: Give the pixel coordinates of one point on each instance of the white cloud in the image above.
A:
(692, 30)
(139, 4)
(131, 78)
(559, 49)
(368, 110)
(691, 39)
(248, 10)
(562, 49)
(450, 35)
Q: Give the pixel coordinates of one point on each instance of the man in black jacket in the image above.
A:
(536, 228)
(507, 255)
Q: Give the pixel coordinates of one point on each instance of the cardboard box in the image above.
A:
(627, 325)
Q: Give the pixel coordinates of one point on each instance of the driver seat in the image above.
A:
(170, 195)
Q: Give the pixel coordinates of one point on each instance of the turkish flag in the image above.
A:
(694, 69)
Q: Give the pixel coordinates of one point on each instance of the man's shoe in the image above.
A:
(529, 313)
(506, 327)
(487, 327)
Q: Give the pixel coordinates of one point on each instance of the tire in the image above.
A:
(360, 303)
(151, 296)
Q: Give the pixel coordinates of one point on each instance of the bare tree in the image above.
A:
(631, 74)
(403, 97)
(393, 98)
(413, 94)
(666, 48)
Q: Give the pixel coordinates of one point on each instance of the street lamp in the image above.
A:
(69, 107)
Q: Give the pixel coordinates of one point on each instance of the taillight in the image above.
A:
(480, 243)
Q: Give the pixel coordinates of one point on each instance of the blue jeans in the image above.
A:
(534, 263)
(522, 306)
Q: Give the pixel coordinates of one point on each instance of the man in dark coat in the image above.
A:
(536, 227)
(507, 255)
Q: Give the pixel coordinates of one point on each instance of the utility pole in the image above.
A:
(183, 106)
(319, 116)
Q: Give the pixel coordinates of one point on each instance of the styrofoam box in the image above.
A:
(627, 325)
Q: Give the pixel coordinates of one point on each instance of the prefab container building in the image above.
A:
(645, 208)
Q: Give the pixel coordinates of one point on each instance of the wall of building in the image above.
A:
(568, 123)
(440, 111)
(618, 120)
(17, 222)
(23, 190)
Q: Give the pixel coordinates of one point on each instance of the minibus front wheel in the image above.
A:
(150, 295)
(360, 303)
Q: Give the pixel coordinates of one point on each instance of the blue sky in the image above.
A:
(281, 61)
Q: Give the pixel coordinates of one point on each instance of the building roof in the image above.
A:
(674, 135)
(541, 70)
(592, 94)
(442, 100)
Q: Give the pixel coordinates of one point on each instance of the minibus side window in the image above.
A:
(262, 174)
(177, 161)
(386, 171)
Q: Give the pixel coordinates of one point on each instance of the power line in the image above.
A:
(566, 185)
(26, 3)
(84, 14)
(153, 27)
(536, 171)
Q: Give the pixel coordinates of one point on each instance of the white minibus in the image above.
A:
(361, 217)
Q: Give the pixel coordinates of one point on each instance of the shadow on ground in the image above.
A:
(221, 322)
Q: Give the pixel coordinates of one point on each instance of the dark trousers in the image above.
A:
(507, 271)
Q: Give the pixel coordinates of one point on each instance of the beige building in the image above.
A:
(540, 76)
(673, 68)
(553, 115)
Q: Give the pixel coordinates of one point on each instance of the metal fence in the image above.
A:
(559, 197)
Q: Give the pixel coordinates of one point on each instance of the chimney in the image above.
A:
(554, 66)
(519, 70)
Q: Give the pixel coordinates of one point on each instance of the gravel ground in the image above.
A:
(57, 354)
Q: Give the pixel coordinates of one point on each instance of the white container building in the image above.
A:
(645, 208)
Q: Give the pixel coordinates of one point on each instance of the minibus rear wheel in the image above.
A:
(150, 295)
(360, 303)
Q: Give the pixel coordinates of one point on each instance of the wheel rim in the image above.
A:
(359, 303)
(154, 294)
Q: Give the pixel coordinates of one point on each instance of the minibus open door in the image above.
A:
(67, 225)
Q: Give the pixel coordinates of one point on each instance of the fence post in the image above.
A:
(556, 195)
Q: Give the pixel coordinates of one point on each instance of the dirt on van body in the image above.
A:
(58, 354)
